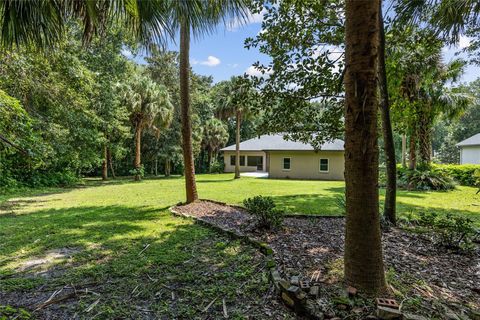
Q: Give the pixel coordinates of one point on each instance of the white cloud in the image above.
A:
(255, 72)
(236, 23)
(211, 61)
(463, 42)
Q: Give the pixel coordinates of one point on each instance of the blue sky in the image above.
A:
(222, 53)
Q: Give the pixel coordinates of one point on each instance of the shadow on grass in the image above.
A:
(135, 259)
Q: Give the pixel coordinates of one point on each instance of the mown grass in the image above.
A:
(104, 226)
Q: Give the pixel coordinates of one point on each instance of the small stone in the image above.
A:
(284, 285)
(295, 280)
(314, 291)
(351, 291)
(386, 313)
(411, 316)
(293, 289)
(288, 301)
(275, 276)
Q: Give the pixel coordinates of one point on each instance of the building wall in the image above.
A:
(306, 165)
(470, 155)
(245, 168)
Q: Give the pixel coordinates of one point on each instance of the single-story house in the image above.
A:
(281, 158)
(470, 150)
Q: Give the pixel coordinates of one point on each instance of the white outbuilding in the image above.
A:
(470, 150)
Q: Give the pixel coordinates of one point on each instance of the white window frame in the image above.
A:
(320, 165)
(283, 163)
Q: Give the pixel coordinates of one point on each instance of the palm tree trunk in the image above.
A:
(138, 149)
(425, 137)
(404, 150)
(209, 159)
(412, 150)
(167, 167)
(190, 184)
(237, 145)
(388, 144)
(156, 166)
(363, 248)
(105, 163)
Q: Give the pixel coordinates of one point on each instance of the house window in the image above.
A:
(253, 161)
(286, 163)
(242, 160)
(323, 165)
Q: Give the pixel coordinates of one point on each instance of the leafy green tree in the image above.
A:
(302, 86)
(149, 106)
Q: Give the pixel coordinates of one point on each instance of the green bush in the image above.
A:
(464, 174)
(424, 179)
(264, 209)
(217, 167)
(140, 171)
(449, 231)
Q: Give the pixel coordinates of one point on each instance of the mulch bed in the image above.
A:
(313, 248)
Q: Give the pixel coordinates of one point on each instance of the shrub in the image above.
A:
(140, 171)
(450, 231)
(464, 174)
(424, 179)
(217, 167)
(264, 209)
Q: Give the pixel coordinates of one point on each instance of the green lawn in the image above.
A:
(105, 226)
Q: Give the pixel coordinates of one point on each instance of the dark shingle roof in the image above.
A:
(472, 141)
(276, 142)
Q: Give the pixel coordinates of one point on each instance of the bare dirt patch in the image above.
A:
(312, 248)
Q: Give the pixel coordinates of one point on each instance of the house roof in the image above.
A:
(472, 141)
(276, 142)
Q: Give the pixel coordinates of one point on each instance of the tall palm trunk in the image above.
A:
(190, 184)
(167, 167)
(363, 248)
(138, 149)
(388, 144)
(105, 163)
(412, 149)
(237, 145)
(425, 137)
(209, 159)
(404, 150)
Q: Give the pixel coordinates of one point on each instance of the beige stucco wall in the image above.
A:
(230, 168)
(306, 165)
(470, 155)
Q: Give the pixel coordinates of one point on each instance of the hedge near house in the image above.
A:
(464, 174)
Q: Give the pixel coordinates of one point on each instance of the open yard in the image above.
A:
(114, 250)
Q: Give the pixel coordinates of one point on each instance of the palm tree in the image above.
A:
(42, 23)
(363, 248)
(236, 98)
(199, 17)
(149, 106)
(215, 135)
(436, 98)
